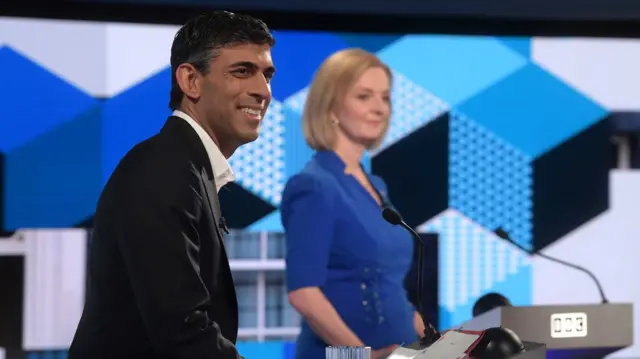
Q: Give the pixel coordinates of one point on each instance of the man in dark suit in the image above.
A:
(159, 279)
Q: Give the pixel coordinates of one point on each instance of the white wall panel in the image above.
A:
(55, 271)
(134, 52)
(74, 50)
(604, 69)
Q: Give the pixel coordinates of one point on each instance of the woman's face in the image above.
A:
(366, 108)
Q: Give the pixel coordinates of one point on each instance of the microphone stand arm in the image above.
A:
(431, 335)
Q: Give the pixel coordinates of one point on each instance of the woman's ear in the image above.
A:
(334, 118)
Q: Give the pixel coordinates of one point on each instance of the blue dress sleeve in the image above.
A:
(307, 218)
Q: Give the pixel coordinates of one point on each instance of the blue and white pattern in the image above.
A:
(472, 262)
(259, 166)
(489, 179)
(413, 107)
(297, 100)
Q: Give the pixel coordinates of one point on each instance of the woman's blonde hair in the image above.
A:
(328, 89)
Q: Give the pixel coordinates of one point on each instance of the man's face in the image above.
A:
(236, 92)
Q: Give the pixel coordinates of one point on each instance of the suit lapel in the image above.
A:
(209, 186)
(202, 168)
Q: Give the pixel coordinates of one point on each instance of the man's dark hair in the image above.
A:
(198, 42)
(488, 302)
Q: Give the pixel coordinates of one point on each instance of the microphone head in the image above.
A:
(498, 343)
(392, 216)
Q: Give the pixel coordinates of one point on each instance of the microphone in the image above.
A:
(431, 335)
(500, 232)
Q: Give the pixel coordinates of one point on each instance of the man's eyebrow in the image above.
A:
(270, 70)
(244, 64)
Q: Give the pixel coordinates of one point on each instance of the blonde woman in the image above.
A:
(345, 264)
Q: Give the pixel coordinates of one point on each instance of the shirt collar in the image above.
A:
(222, 171)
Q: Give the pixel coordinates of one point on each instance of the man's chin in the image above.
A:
(249, 137)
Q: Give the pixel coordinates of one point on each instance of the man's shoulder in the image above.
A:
(154, 153)
(154, 161)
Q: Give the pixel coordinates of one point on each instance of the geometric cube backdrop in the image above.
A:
(486, 132)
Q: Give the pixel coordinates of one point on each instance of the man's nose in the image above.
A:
(260, 88)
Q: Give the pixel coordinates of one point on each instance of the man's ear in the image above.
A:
(190, 81)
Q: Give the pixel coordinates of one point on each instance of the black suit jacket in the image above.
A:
(159, 279)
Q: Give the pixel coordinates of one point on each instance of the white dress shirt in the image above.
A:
(221, 169)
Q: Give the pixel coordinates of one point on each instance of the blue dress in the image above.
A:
(338, 241)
